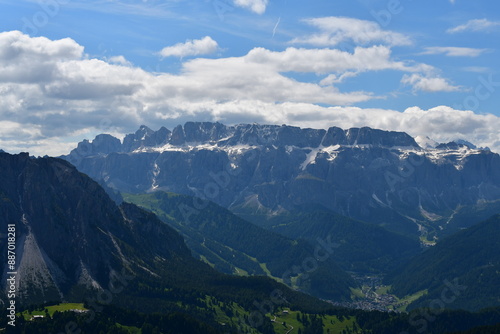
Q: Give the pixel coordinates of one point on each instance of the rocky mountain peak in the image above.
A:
(201, 133)
(178, 136)
(281, 166)
(451, 146)
(105, 143)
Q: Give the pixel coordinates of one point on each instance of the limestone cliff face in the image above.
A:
(368, 174)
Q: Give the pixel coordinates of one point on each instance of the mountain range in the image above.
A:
(75, 243)
(262, 171)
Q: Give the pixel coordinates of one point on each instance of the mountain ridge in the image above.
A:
(241, 134)
(57, 201)
(467, 260)
(363, 247)
(73, 241)
(375, 176)
(58, 241)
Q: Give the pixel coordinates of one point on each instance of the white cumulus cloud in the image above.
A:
(196, 47)
(374, 58)
(430, 84)
(256, 6)
(53, 95)
(120, 60)
(336, 30)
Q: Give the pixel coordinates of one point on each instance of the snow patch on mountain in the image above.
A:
(312, 153)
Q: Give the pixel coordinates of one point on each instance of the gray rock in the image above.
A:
(372, 175)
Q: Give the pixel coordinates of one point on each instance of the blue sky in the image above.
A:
(72, 69)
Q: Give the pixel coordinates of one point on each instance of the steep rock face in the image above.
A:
(102, 144)
(145, 137)
(368, 174)
(69, 233)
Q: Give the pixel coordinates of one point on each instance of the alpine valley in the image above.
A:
(253, 228)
